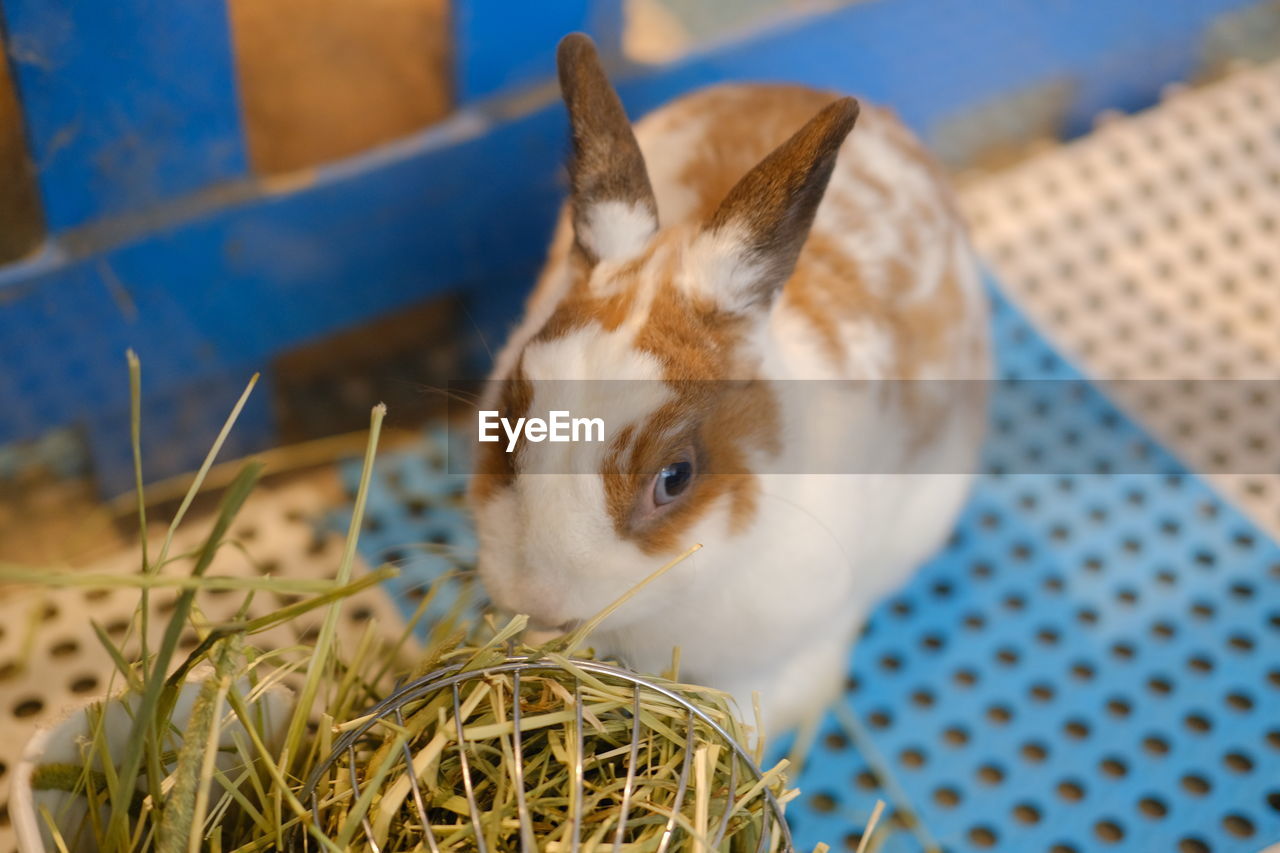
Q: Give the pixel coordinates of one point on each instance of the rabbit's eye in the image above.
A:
(672, 481)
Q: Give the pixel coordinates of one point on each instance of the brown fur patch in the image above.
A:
(581, 306)
(775, 201)
(699, 348)
(746, 126)
(720, 423)
(495, 469)
(721, 418)
(827, 287)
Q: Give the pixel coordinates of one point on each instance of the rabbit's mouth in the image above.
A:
(539, 632)
(558, 627)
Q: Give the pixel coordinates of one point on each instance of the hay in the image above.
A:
(588, 757)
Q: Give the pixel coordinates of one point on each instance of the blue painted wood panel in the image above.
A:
(234, 286)
(501, 46)
(127, 102)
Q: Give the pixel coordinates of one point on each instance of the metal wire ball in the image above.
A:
(614, 797)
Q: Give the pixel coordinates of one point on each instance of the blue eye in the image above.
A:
(671, 482)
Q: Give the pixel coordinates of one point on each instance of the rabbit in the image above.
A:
(739, 234)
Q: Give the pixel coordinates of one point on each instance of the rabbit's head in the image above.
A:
(658, 331)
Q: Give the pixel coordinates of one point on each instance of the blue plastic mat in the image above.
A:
(414, 519)
(1092, 664)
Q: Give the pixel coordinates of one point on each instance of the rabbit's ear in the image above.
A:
(614, 213)
(754, 238)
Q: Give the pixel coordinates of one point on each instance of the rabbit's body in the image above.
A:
(885, 288)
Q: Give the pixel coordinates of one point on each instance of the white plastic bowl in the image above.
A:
(60, 743)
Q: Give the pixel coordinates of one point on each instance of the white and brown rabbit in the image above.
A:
(740, 233)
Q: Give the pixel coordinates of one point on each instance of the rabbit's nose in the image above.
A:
(512, 597)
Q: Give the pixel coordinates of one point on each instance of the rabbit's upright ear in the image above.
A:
(751, 243)
(614, 213)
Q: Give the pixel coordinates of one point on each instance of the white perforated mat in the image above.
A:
(1149, 251)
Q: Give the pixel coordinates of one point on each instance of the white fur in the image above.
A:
(616, 230)
(771, 609)
(720, 269)
(666, 143)
(591, 374)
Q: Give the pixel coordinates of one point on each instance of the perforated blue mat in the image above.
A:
(1092, 664)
